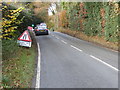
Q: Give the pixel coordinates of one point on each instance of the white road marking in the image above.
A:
(76, 48)
(57, 38)
(104, 62)
(53, 35)
(63, 41)
(38, 68)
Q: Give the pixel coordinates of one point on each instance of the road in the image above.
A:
(68, 62)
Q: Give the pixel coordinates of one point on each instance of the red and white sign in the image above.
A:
(25, 39)
(30, 28)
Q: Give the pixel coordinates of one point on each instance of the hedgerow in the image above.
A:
(91, 18)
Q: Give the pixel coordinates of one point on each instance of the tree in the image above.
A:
(10, 21)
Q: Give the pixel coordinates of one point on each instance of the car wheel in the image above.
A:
(47, 33)
(36, 34)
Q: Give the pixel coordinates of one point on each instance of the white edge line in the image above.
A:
(38, 68)
(104, 62)
(63, 41)
(76, 48)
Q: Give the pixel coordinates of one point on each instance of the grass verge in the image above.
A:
(18, 70)
(94, 39)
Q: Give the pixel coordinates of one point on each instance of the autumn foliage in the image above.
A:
(91, 18)
(63, 19)
(10, 21)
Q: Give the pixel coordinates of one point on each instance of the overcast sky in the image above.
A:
(53, 7)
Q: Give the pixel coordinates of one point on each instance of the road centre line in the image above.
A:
(63, 41)
(92, 56)
(104, 62)
(52, 35)
(76, 48)
(38, 68)
(97, 59)
(57, 38)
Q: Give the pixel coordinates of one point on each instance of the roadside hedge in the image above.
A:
(92, 18)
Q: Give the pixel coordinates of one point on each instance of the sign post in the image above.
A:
(29, 28)
(25, 39)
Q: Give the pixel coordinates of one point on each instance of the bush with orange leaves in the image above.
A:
(63, 21)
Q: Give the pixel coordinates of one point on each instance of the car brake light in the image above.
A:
(46, 29)
(37, 30)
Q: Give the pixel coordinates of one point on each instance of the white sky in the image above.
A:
(53, 7)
